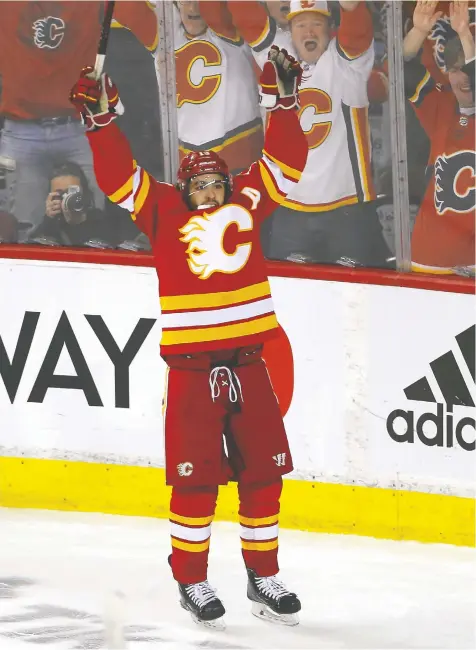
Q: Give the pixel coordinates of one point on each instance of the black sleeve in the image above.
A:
(418, 81)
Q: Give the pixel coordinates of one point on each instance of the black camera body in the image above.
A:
(72, 200)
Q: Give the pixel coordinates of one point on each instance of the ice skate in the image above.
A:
(205, 608)
(271, 600)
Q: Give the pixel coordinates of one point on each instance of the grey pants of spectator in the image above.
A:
(348, 234)
(36, 149)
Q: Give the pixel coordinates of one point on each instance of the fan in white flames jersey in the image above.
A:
(334, 104)
(217, 95)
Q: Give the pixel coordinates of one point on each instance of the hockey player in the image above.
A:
(443, 237)
(216, 313)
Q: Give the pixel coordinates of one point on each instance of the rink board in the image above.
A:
(80, 432)
(316, 507)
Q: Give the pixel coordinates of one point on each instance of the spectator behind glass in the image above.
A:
(70, 217)
(444, 233)
(331, 216)
(217, 94)
(433, 48)
(278, 10)
(43, 45)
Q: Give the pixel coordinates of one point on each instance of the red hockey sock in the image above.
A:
(191, 514)
(258, 515)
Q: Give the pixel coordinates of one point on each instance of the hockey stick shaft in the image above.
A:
(102, 47)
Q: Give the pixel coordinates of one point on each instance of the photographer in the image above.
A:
(71, 218)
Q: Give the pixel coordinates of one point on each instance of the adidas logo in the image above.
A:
(452, 378)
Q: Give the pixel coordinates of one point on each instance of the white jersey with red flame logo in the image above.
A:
(217, 97)
(334, 107)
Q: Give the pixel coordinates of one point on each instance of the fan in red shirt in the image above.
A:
(433, 47)
(217, 312)
(42, 45)
(443, 237)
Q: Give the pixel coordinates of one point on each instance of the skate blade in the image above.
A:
(266, 614)
(218, 624)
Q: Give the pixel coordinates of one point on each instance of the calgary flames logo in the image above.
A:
(49, 32)
(204, 235)
(455, 183)
(441, 33)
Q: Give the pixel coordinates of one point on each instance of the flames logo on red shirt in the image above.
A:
(48, 32)
(455, 182)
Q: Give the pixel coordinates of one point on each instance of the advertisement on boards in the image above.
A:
(376, 382)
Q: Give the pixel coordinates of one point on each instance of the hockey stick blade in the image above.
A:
(103, 39)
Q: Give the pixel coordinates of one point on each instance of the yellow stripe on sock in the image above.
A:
(259, 546)
(191, 521)
(192, 548)
(259, 521)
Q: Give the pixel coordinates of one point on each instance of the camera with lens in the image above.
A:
(73, 200)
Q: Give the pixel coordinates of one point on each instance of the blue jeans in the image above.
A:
(36, 149)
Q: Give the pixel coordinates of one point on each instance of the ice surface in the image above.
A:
(59, 571)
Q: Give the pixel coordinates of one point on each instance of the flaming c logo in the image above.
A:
(204, 235)
(455, 182)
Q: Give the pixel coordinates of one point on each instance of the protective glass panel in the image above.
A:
(439, 86)
(338, 213)
(48, 191)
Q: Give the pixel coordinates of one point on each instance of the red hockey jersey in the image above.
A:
(214, 291)
(43, 45)
(443, 236)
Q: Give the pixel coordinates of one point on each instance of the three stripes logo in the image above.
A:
(454, 378)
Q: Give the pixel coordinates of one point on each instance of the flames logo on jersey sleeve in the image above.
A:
(455, 182)
(204, 235)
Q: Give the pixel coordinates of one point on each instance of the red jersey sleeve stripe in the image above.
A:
(142, 192)
(288, 171)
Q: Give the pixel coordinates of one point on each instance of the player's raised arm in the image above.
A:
(117, 173)
(285, 148)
